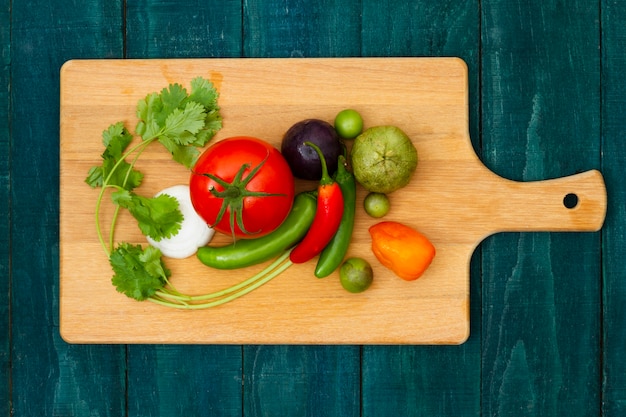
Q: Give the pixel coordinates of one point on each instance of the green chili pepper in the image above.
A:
(247, 252)
(333, 254)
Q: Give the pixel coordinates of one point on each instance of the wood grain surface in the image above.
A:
(453, 199)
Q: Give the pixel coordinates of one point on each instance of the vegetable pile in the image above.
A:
(244, 188)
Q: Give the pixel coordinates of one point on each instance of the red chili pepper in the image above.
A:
(327, 217)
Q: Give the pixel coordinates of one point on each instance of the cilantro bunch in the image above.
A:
(181, 122)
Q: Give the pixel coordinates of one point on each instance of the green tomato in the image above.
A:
(376, 204)
(383, 159)
(348, 124)
(356, 275)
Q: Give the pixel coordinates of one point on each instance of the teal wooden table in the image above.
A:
(547, 99)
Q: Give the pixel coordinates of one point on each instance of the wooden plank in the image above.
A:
(165, 29)
(427, 380)
(179, 380)
(541, 292)
(301, 380)
(299, 28)
(5, 277)
(282, 380)
(614, 250)
(184, 380)
(50, 377)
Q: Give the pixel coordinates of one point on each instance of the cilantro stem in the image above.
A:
(226, 295)
(231, 289)
(139, 148)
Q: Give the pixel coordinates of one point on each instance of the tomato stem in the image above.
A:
(234, 193)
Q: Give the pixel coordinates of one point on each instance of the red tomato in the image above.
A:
(226, 190)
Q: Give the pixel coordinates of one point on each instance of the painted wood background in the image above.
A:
(547, 99)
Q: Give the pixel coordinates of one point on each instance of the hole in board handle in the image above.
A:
(570, 201)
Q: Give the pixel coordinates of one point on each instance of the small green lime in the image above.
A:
(376, 204)
(348, 124)
(356, 275)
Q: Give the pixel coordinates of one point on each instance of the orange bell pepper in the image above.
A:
(404, 250)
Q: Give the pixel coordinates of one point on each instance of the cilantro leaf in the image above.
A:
(172, 98)
(116, 139)
(180, 120)
(170, 114)
(138, 273)
(212, 123)
(158, 217)
(203, 92)
(95, 177)
(114, 170)
(181, 125)
(148, 111)
(185, 155)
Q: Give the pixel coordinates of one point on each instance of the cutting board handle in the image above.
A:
(573, 203)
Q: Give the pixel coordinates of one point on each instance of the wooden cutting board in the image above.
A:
(453, 199)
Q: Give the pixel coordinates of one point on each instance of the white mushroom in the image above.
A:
(194, 232)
